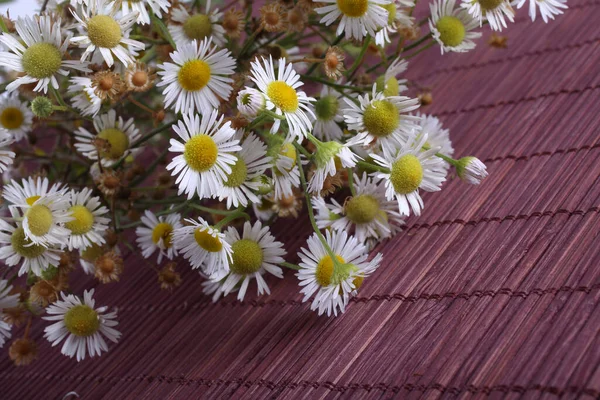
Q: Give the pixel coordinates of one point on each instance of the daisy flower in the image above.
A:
(389, 83)
(6, 156)
(382, 118)
(283, 97)
(286, 174)
(410, 169)
(263, 209)
(15, 116)
(44, 210)
(471, 170)
(139, 7)
(85, 98)
(437, 136)
(84, 326)
(331, 282)
(105, 35)
(7, 300)
(16, 249)
(329, 158)
(250, 102)
(548, 8)
(451, 27)
(204, 246)
(207, 154)
(359, 17)
(493, 11)
(157, 234)
(116, 134)
(198, 78)
(397, 16)
(368, 213)
(39, 54)
(328, 115)
(187, 27)
(253, 254)
(89, 220)
(244, 179)
(139, 77)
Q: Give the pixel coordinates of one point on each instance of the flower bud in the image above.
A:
(471, 170)
(42, 107)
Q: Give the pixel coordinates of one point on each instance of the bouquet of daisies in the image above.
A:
(179, 130)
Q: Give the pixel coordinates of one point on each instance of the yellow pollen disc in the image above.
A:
(104, 31)
(489, 5)
(283, 96)
(391, 9)
(200, 153)
(22, 246)
(91, 253)
(381, 118)
(207, 241)
(12, 118)
(197, 27)
(83, 222)
(39, 219)
(452, 30)
(163, 231)
(239, 172)
(358, 281)
(32, 199)
(362, 209)
(82, 320)
(119, 143)
(41, 60)
(389, 88)
(353, 8)
(247, 257)
(407, 174)
(324, 272)
(194, 75)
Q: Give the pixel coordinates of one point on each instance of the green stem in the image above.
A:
(351, 181)
(449, 160)
(295, 267)
(236, 214)
(420, 50)
(372, 167)
(416, 43)
(152, 134)
(211, 210)
(358, 60)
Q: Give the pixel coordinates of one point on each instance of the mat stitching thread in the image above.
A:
(549, 153)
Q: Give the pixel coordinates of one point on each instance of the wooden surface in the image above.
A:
(493, 292)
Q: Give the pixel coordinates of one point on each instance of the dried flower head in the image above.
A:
(273, 17)
(498, 41)
(288, 205)
(296, 19)
(43, 293)
(22, 351)
(332, 183)
(409, 32)
(425, 98)
(107, 84)
(108, 267)
(139, 77)
(334, 62)
(15, 315)
(168, 277)
(233, 23)
(109, 182)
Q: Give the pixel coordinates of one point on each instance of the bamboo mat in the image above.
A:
(493, 292)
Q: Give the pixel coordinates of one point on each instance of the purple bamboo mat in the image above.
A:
(493, 292)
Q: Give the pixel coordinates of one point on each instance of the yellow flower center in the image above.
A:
(353, 8)
(23, 247)
(83, 222)
(452, 30)
(39, 219)
(194, 75)
(283, 96)
(324, 271)
(407, 174)
(12, 118)
(163, 231)
(389, 88)
(200, 153)
(489, 5)
(104, 31)
(90, 254)
(391, 9)
(41, 60)
(207, 241)
(197, 27)
(358, 281)
(362, 209)
(381, 118)
(239, 172)
(118, 141)
(326, 108)
(82, 320)
(247, 257)
(32, 199)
